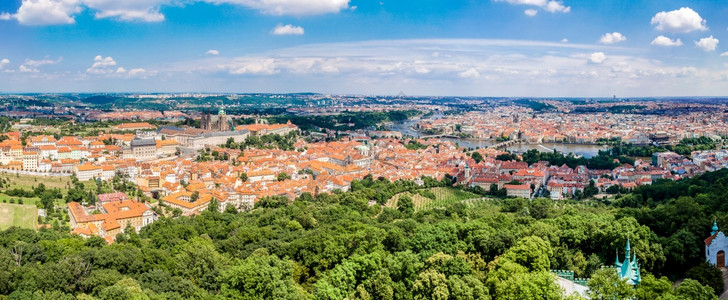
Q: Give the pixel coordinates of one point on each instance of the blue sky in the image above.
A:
(534, 48)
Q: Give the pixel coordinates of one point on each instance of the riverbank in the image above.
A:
(585, 150)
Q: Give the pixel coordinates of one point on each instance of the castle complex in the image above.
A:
(220, 122)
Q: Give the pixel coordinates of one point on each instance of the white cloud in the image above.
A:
(45, 12)
(611, 38)
(108, 68)
(24, 69)
(547, 5)
(554, 6)
(551, 69)
(422, 70)
(469, 73)
(682, 20)
(139, 72)
(597, 57)
(530, 12)
(564, 40)
(31, 66)
(666, 42)
(212, 52)
(255, 67)
(53, 12)
(4, 62)
(102, 65)
(128, 10)
(707, 44)
(724, 53)
(290, 7)
(499, 67)
(287, 29)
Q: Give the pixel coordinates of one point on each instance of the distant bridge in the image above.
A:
(503, 145)
(439, 136)
(546, 148)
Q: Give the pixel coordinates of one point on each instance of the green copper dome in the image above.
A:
(715, 228)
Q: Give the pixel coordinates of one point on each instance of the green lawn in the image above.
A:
(28, 182)
(443, 196)
(29, 201)
(25, 216)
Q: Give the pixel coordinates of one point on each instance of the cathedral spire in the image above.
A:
(628, 248)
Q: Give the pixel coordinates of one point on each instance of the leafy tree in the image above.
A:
(605, 284)
(405, 205)
(47, 201)
(283, 176)
(539, 207)
(692, 289)
(431, 284)
(508, 157)
(199, 262)
(707, 275)
(531, 252)
(652, 288)
(262, 276)
(126, 288)
(477, 156)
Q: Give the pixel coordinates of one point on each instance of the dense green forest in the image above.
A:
(684, 147)
(535, 105)
(336, 246)
(346, 120)
(604, 160)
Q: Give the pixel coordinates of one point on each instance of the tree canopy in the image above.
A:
(337, 245)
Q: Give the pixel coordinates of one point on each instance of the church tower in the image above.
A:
(219, 122)
(716, 246)
(629, 268)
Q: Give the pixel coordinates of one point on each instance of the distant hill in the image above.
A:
(99, 99)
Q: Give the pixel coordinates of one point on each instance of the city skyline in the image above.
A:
(524, 48)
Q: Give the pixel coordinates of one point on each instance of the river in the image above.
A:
(587, 151)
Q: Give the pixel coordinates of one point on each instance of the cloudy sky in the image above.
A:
(551, 48)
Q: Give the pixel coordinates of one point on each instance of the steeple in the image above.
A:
(628, 248)
(628, 269)
(715, 228)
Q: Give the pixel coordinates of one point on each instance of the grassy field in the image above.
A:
(35, 201)
(28, 182)
(25, 216)
(443, 197)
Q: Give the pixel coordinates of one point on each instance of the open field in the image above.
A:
(443, 197)
(34, 201)
(28, 181)
(25, 216)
